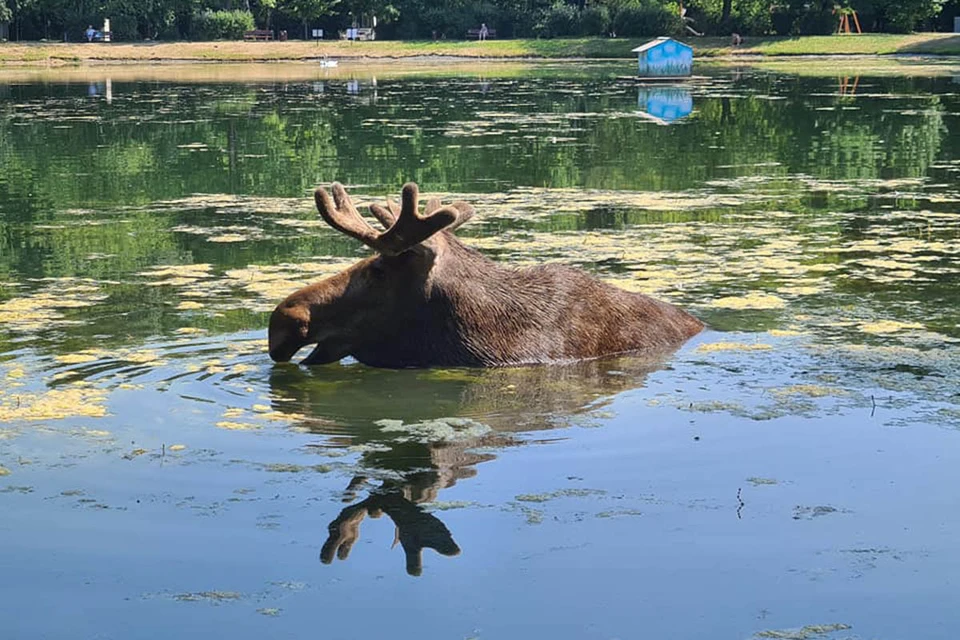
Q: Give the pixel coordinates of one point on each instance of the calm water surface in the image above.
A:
(790, 473)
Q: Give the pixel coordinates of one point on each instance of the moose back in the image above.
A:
(426, 299)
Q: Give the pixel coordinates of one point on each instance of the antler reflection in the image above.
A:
(415, 528)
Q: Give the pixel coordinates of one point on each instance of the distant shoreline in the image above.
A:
(52, 54)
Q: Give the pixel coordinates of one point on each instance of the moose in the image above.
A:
(426, 299)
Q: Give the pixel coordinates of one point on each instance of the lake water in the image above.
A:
(790, 473)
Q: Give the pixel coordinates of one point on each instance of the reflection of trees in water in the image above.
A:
(344, 404)
(283, 139)
(162, 141)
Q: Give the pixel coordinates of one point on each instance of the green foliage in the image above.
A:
(558, 21)
(796, 17)
(307, 10)
(755, 17)
(223, 25)
(452, 20)
(385, 10)
(646, 18)
(897, 16)
(627, 18)
(421, 19)
(595, 21)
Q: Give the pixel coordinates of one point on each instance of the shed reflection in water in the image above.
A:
(665, 104)
(441, 424)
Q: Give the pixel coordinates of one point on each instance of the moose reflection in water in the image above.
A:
(421, 431)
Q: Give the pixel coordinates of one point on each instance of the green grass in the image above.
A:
(865, 44)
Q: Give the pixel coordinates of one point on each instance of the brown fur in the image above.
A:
(441, 303)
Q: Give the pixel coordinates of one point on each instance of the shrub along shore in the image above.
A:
(597, 48)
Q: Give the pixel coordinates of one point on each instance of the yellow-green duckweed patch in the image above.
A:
(750, 301)
(888, 326)
(233, 425)
(733, 346)
(55, 404)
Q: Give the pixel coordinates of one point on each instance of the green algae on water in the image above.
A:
(439, 430)
(212, 597)
(808, 632)
(760, 482)
(560, 493)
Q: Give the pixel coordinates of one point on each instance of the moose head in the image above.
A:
(426, 299)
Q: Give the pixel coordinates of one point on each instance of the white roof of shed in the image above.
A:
(654, 43)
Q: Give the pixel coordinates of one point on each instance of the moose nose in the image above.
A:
(280, 350)
(281, 354)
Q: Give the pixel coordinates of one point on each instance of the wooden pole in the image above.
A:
(844, 24)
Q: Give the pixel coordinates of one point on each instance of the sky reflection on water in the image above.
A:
(789, 469)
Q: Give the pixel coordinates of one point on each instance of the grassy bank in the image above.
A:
(870, 44)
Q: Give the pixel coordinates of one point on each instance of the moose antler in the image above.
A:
(406, 228)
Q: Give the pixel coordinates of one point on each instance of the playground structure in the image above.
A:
(687, 21)
(846, 87)
(845, 14)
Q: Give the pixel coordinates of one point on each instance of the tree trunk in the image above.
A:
(725, 12)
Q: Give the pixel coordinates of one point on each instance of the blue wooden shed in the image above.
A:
(664, 58)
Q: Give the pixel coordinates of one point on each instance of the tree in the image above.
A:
(264, 11)
(897, 15)
(725, 12)
(384, 10)
(307, 10)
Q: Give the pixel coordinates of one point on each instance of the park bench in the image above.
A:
(473, 34)
(258, 34)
